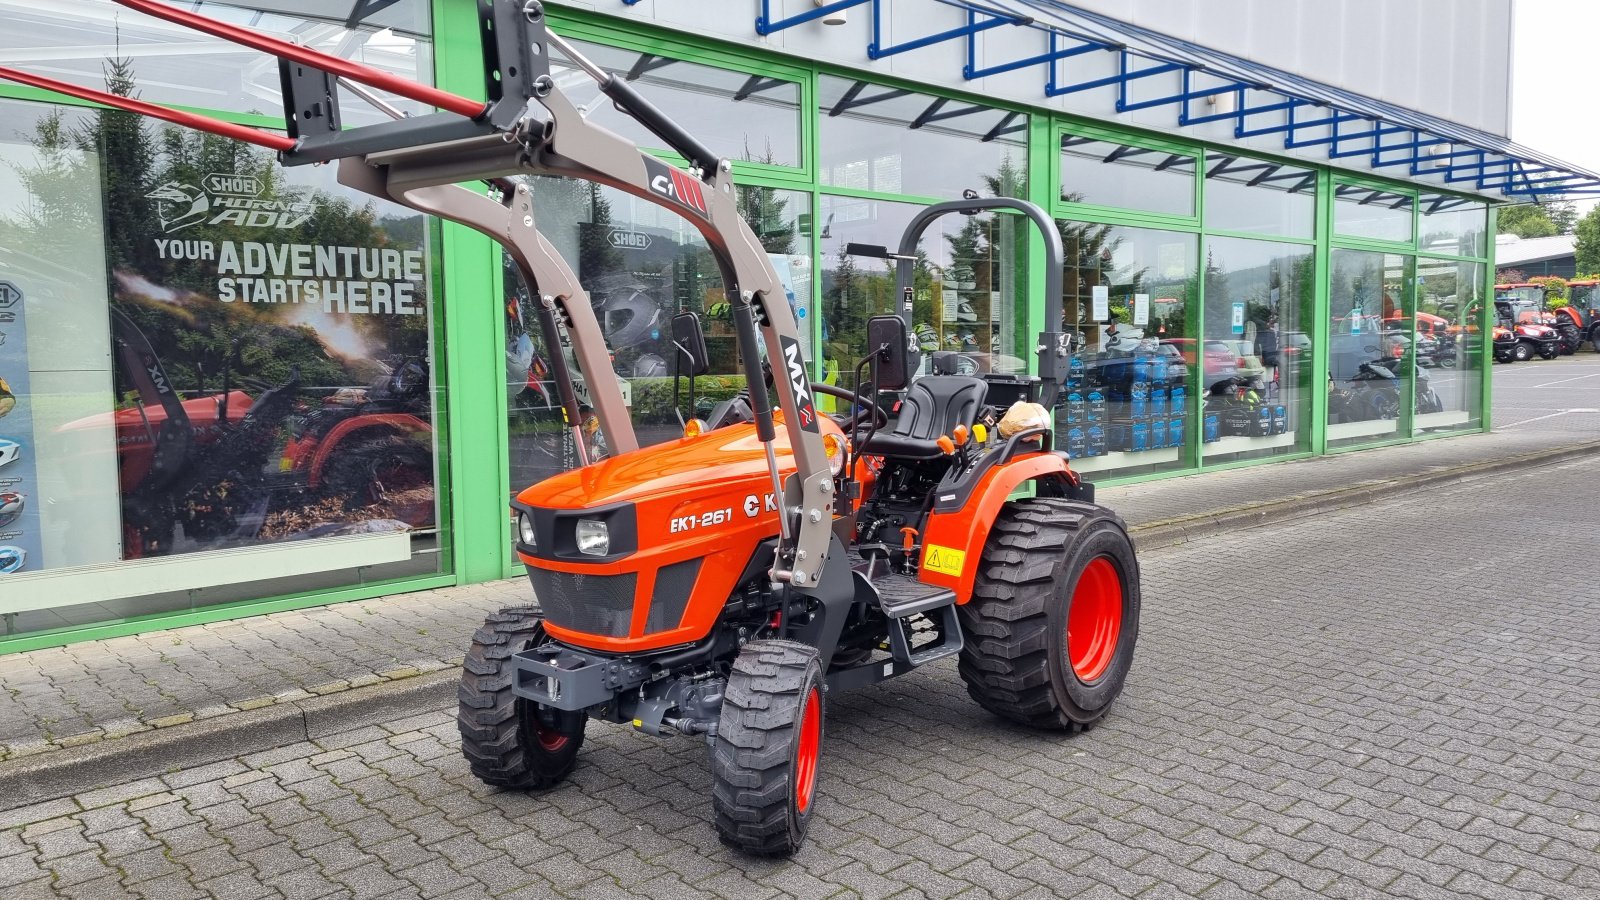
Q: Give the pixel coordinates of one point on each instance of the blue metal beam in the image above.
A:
(765, 25)
(971, 70)
(1184, 95)
(878, 50)
(1377, 135)
(1121, 79)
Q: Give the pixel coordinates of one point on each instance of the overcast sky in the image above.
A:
(1552, 97)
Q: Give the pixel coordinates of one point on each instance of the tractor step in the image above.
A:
(901, 599)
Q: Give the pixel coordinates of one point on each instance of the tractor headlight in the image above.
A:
(594, 539)
(525, 530)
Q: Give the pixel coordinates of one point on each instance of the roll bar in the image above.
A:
(1055, 346)
(528, 126)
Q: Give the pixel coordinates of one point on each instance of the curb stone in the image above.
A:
(42, 773)
(1180, 530)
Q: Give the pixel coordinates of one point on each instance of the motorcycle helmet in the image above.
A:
(965, 313)
(649, 365)
(11, 504)
(927, 338)
(10, 452)
(8, 400)
(12, 559)
(629, 316)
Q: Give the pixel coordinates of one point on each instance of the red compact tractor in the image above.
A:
(724, 585)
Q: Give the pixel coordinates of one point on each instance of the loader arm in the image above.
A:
(528, 126)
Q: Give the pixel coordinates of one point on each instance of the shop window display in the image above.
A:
(1258, 308)
(1371, 357)
(1136, 370)
(210, 354)
(1106, 173)
(895, 141)
(641, 264)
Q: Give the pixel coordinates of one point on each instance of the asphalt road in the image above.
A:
(1562, 394)
(1399, 700)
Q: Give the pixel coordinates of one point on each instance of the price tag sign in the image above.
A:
(1238, 318)
(1141, 309)
(1102, 303)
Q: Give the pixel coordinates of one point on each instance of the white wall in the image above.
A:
(1448, 58)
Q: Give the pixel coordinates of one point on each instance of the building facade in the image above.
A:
(236, 388)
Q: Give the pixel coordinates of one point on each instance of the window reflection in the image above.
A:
(1128, 293)
(1369, 213)
(78, 42)
(1451, 224)
(1248, 194)
(1259, 297)
(1449, 344)
(1104, 173)
(891, 140)
(737, 115)
(1370, 353)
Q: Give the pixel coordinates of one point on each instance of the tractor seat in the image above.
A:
(934, 406)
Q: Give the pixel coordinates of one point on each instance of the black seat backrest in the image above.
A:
(936, 404)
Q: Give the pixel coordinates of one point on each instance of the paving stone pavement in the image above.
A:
(1401, 700)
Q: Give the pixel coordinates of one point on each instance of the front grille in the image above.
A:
(591, 604)
(673, 584)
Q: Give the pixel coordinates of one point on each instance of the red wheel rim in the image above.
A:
(805, 758)
(550, 740)
(1094, 620)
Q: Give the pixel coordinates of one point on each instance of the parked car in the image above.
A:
(1221, 362)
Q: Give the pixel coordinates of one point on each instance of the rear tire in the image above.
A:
(764, 761)
(1054, 615)
(509, 741)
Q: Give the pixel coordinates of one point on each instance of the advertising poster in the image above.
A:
(1141, 309)
(1101, 298)
(270, 343)
(20, 549)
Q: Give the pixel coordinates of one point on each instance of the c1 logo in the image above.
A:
(676, 186)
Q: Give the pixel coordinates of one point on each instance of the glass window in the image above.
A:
(109, 47)
(237, 355)
(1451, 224)
(1369, 347)
(1128, 297)
(1448, 336)
(970, 284)
(1258, 309)
(641, 264)
(895, 141)
(1247, 194)
(1368, 213)
(737, 115)
(1105, 173)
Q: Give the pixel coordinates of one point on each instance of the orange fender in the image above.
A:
(953, 542)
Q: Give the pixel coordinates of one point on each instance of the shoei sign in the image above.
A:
(225, 198)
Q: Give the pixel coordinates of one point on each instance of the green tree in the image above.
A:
(1588, 245)
(1527, 220)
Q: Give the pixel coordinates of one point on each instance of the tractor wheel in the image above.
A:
(1054, 614)
(510, 741)
(1549, 351)
(764, 761)
(1523, 353)
(375, 470)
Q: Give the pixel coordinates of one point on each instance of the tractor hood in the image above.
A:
(677, 470)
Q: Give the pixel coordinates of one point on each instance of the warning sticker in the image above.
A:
(943, 560)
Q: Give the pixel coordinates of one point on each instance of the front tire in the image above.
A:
(1054, 615)
(509, 741)
(769, 737)
(1523, 353)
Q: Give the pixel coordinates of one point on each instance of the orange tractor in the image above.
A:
(724, 585)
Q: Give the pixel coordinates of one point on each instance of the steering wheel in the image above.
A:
(848, 423)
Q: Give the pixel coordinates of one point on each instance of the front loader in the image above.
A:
(725, 584)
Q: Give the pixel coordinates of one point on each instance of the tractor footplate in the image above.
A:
(903, 598)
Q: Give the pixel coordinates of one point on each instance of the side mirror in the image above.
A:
(690, 341)
(887, 336)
